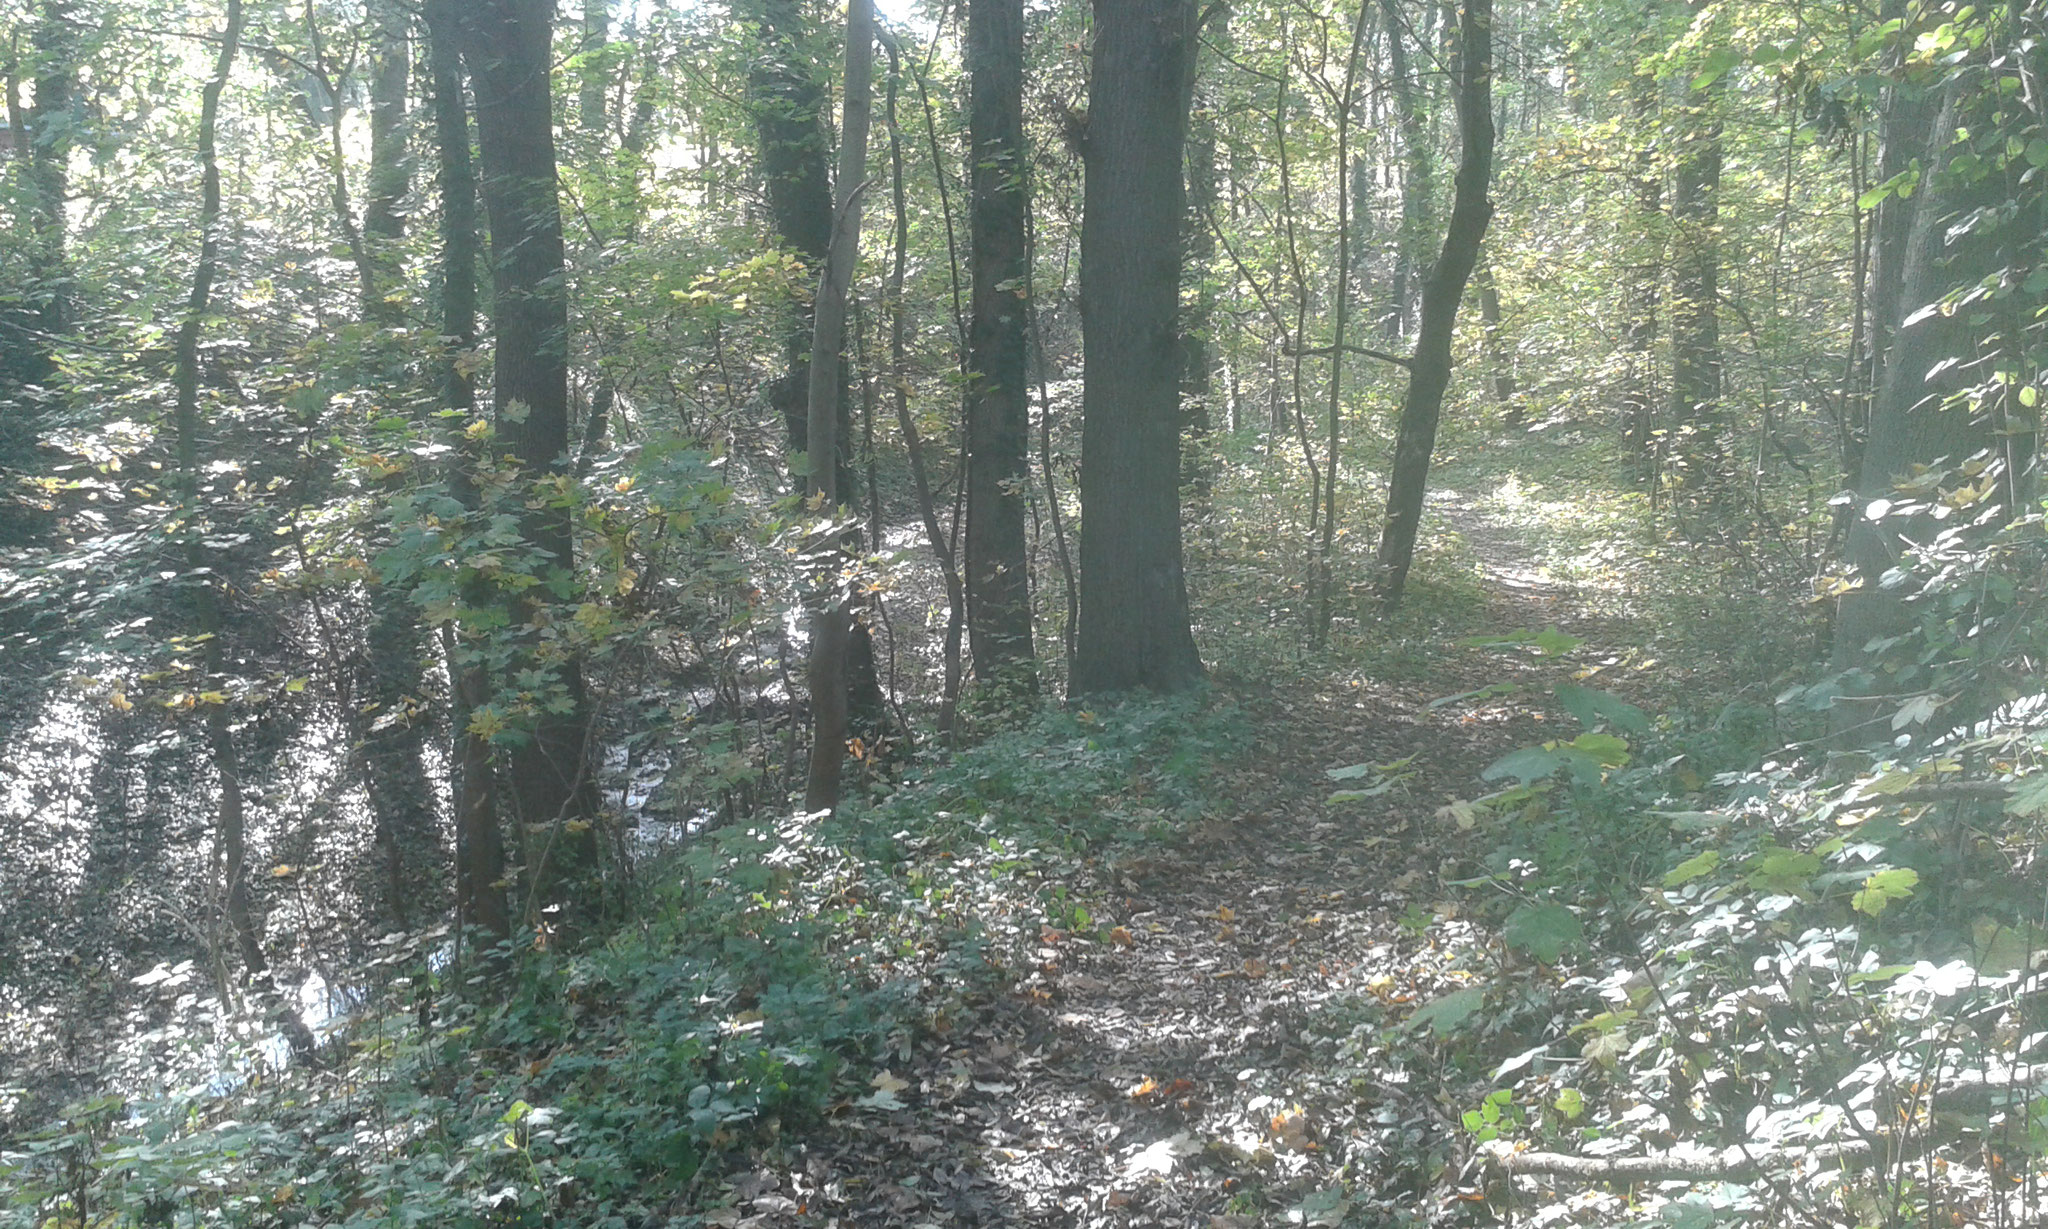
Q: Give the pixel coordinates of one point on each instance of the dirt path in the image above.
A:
(1216, 1055)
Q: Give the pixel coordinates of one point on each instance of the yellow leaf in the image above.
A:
(120, 702)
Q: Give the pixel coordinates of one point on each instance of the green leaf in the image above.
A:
(1884, 887)
(1609, 749)
(1692, 868)
(1526, 765)
(1571, 1103)
(2030, 798)
(1592, 707)
(1444, 1015)
(1543, 930)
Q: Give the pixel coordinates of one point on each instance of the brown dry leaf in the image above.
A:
(1290, 1129)
(1121, 937)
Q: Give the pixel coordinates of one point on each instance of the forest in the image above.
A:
(640, 613)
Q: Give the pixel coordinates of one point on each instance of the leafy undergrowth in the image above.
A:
(762, 979)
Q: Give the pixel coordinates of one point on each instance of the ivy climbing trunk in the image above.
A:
(998, 414)
(507, 47)
(1134, 629)
(1429, 370)
(479, 839)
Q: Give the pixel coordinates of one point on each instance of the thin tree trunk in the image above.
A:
(1197, 465)
(390, 169)
(51, 123)
(479, 840)
(231, 820)
(1134, 629)
(1340, 309)
(1429, 371)
(592, 80)
(1645, 274)
(508, 50)
(1696, 375)
(1498, 354)
(832, 617)
(998, 414)
(913, 446)
(1416, 177)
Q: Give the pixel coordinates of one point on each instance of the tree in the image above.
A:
(1134, 626)
(479, 840)
(507, 45)
(832, 616)
(998, 414)
(1696, 376)
(1429, 370)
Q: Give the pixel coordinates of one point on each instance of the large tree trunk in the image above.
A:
(507, 47)
(1134, 629)
(1925, 363)
(832, 614)
(479, 840)
(1429, 371)
(998, 414)
(788, 105)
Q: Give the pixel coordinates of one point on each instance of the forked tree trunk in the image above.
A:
(1429, 371)
(1134, 630)
(507, 46)
(832, 614)
(998, 415)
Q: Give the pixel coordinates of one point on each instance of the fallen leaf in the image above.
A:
(1159, 1158)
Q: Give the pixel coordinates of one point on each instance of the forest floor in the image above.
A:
(1218, 1050)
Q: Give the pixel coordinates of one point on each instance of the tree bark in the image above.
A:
(1429, 372)
(1197, 465)
(231, 825)
(52, 120)
(913, 446)
(390, 169)
(832, 616)
(1340, 317)
(1925, 363)
(592, 81)
(998, 415)
(1498, 353)
(507, 48)
(1416, 178)
(479, 840)
(1645, 273)
(1696, 409)
(1134, 628)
